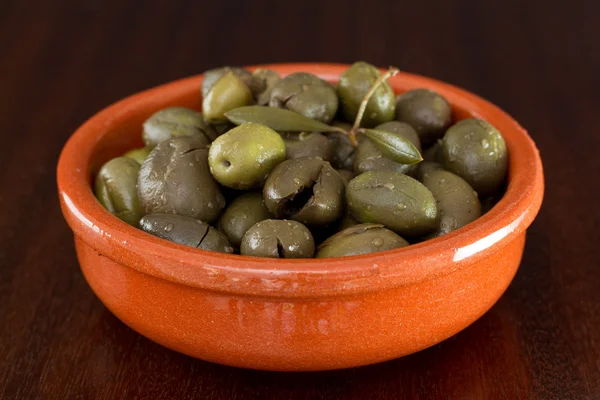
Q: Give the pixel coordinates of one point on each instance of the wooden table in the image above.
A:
(62, 61)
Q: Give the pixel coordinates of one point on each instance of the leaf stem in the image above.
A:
(363, 104)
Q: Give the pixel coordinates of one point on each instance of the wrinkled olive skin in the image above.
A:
(457, 202)
(213, 75)
(346, 175)
(360, 239)
(307, 144)
(426, 111)
(434, 152)
(342, 156)
(138, 155)
(243, 157)
(185, 230)
(369, 158)
(277, 238)
(424, 167)
(305, 94)
(227, 93)
(175, 179)
(115, 188)
(241, 214)
(395, 200)
(354, 84)
(308, 190)
(174, 122)
(475, 150)
(263, 81)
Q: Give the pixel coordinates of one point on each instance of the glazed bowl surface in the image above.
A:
(294, 315)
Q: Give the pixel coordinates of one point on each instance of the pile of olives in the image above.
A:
(295, 167)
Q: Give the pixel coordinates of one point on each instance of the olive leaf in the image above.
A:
(394, 146)
(277, 119)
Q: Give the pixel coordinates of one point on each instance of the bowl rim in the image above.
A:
(130, 246)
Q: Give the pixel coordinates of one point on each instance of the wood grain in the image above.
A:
(63, 61)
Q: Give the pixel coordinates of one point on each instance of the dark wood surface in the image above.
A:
(62, 61)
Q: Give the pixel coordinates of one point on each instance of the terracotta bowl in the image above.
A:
(293, 314)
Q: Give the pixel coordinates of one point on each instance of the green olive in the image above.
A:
(173, 122)
(307, 144)
(475, 150)
(185, 230)
(342, 156)
(395, 200)
(360, 239)
(223, 127)
(369, 158)
(426, 111)
(457, 202)
(346, 222)
(263, 81)
(243, 157)
(488, 202)
(354, 84)
(346, 175)
(425, 167)
(241, 214)
(116, 190)
(278, 239)
(213, 75)
(308, 190)
(175, 179)
(305, 94)
(434, 152)
(138, 155)
(227, 93)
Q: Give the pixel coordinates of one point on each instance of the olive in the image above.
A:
(185, 230)
(346, 222)
(346, 175)
(263, 81)
(424, 167)
(115, 188)
(402, 129)
(223, 127)
(434, 152)
(474, 150)
(354, 84)
(277, 238)
(213, 75)
(369, 158)
(173, 122)
(395, 200)
(243, 157)
(426, 111)
(488, 202)
(308, 190)
(175, 179)
(305, 94)
(138, 155)
(342, 156)
(307, 144)
(227, 93)
(457, 201)
(241, 214)
(360, 239)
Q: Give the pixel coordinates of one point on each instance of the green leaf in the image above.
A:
(277, 119)
(394, 146)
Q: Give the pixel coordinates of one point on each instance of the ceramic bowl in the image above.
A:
(312, 314)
